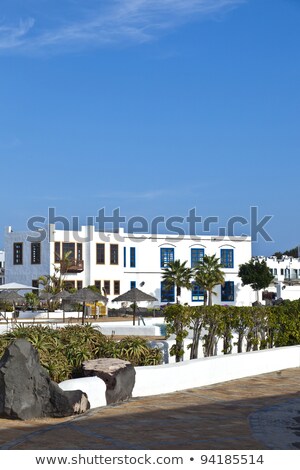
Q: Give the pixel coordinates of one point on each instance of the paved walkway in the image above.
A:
(261, 412)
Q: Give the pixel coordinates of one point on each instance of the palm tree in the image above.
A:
(177, 275)
(208, 274)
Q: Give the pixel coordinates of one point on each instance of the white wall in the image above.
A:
(155, 380)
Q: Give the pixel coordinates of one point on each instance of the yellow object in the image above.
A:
(97, 309)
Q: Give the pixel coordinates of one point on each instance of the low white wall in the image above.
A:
(168, 378)
(127, 329)
(94, 387)
(155, 380)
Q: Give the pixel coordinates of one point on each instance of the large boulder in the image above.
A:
(26, 390)
(118, 375)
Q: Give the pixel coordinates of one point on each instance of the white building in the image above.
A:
(116, 262)
(286, 272)
(2, 267)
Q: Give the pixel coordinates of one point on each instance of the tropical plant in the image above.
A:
(62, 351)
(208, 274)
(177, 319)
(32, 300)
(55, 283)
(177, 275)
(256, 274)
(196, 315)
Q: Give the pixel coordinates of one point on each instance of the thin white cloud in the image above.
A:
(111, 22)
(125, 195)
(15, 36)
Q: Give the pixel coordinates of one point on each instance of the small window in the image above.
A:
(107, 287)
(100, 253)
(132, 257)
(227, 292)
(36, 253)
(196, 256)
(68, 250)
(35, 285)
(57, 252)
(79, 285)
(79, 251)
(167, 294)
(69, 285)
(227, 258)
(166, 256)
(198, 293)
(98, 285)
(114, 254)
(116, 287)
(18, 253)
(132, 284)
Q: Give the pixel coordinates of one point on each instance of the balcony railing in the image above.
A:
(71, 266)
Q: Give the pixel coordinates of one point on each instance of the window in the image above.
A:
(166, 256)
(124, 251)
(227, 258)
(18, 253)
(116, 287)
(275, 271)
(98, 284)
(68, 249)
(227, 291)
(114, 254)
(57, 252)
(132, 284)
(198, 293)
(167, 294)
(69, 285)
(36, 253)
(107, 287)
(79, 285)
(35, 285)
(281, 272)
(100, 253)
(196, 256)
(132, 257)
(79, 251)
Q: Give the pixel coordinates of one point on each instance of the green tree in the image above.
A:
(177, 318)
(178, 275)
(256, 274)
(209, 274)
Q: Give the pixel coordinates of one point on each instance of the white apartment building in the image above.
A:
(116, 262)
(286, 272)
(2, 267)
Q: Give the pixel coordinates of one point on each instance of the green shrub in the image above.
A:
(62, 351)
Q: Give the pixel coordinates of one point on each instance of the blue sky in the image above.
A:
(152, 106)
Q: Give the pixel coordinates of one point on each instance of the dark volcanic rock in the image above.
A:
(118, 375)
(26, 390)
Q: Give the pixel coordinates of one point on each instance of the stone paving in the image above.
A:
(260, 412)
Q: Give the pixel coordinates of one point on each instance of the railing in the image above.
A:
(71, 266)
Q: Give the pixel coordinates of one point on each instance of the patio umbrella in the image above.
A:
(15, 286)
(11, 297)
(87, 295)
(63, 295)
(45, 295)
(134, 295)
